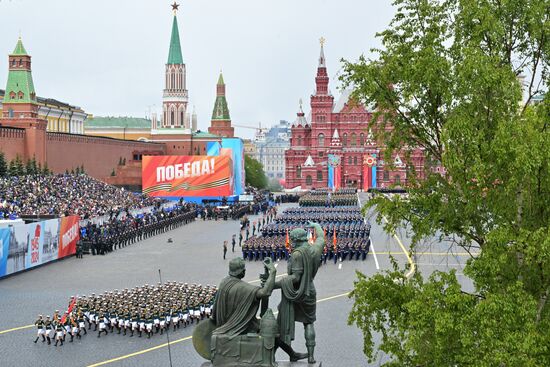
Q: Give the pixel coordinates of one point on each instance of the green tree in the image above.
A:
(254, 171)
(12, 170)
(82, 169)
(77, 170)
(447, 79)
(3, 165)
(45, 169)
(19, 167)
(120, 161)
(274, 185)
(28, 167)
(113, 172)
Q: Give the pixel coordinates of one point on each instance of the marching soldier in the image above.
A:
(41, 331)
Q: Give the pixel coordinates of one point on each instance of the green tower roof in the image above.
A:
(220, 79)
(174, 56)
(221, 111)
(19, 49)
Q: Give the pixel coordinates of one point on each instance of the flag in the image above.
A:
(325, 236)
(287, 242)
(69, 310)
(334, 239)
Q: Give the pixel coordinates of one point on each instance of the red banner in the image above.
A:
(337, 177)
(171, 175)
(69, 234)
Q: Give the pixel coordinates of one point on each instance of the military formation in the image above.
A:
(118, 233)
(149, 310)
(347, 233)
(327, 198)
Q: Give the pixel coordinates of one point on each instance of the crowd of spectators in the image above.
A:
(65, 194)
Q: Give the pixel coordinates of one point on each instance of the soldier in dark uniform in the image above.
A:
(233, 243)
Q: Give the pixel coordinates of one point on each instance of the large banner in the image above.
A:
(181, 176)
(369, 171)
(334, 172)
(25, 246)
(69, 233)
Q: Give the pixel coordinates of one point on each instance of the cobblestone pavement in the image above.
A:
(195, 256)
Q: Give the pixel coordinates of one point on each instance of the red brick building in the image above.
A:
(340, 129)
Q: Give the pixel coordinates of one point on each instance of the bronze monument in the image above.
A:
(235, 337)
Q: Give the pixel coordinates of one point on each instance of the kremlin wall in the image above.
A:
(55, 133)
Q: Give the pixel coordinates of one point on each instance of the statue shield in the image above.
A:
(202, 337)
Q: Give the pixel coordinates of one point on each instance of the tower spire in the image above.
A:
(322, 62)
(174, 55)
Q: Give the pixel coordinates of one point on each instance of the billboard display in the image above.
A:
(181, 176)
(237, 153)
(25, 246)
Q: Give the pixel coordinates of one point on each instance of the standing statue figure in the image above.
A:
(299, 298)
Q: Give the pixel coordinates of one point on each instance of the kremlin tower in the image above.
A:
(20, 106)
(175, 95)
(221, 121)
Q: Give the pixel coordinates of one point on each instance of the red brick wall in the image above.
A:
(98, 155)
(12, 142)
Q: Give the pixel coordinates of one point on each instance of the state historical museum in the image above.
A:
(336, 148)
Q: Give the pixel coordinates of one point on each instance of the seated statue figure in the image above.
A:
(234, 336)
(237, 301)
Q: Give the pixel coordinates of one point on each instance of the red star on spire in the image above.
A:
(175, 6)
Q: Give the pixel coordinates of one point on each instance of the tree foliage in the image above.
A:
(255, 175)
(448, 79)
(3, 165)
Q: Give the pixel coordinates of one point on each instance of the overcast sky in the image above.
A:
(108, 56)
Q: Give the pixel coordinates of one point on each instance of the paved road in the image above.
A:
(194, 256)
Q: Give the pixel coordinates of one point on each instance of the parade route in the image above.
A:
(195, 256)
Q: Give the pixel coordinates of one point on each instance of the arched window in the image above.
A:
(397, 180)
(13, 63)
(321, 140)
(298, 172)
(319, 175)
(309, 180)
(12, 95)
(362, 139)
(20, 63)
(182, 121)
(353, 140)
(299, 140)
(20, 95)
(345, 140)
(386, 176)
(349, 160)
(10, 112)
(172, 117)
(355, 161)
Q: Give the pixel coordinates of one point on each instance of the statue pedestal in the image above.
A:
(282, 364)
